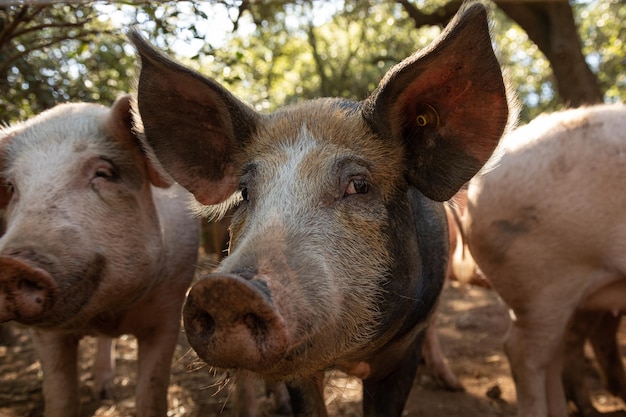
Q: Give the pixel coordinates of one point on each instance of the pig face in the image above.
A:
(78, 215)
(338, 248)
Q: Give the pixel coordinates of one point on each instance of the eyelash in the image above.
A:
(357, 186)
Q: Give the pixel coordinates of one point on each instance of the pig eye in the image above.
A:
(106, 173)
(357, 186)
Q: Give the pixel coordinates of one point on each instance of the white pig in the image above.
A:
(96, 243)
(547, 226)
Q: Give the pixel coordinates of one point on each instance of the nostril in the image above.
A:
(203, 324)
(31, 289)
(26, 284)
(206, 322)
(257, 326)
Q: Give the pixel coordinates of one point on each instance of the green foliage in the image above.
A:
(268, 53)
(601, 25)
(55, 53)
(312, 49)
(525, 68)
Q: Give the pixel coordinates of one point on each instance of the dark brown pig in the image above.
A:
(92, 246)
(339, 244)
(547, 226)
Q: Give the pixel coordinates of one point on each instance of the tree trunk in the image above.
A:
(551, 26)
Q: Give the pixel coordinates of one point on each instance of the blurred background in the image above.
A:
(271, 53)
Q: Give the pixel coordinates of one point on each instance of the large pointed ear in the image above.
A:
(119, 125)
(447, 105)
(194, 126)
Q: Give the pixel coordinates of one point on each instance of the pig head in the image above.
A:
(94, 245)
(339, 243)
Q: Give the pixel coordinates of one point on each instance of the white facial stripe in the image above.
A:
(286, 181)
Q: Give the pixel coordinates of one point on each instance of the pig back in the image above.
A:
(555, 198)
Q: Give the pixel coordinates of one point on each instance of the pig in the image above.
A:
(96, 243)
(338, 246)
(546, 227)
(461, 265)
(600, 328)
(461, 268)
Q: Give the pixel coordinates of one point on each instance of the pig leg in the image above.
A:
(533, 348)
(104, 369)
(436, 361)
(307, 396)
(282, 402)
(7, 338)
(155, 351)
(58, 354)
(604, 342)
(245, 396)
(386, 397)
(573, 374)
(555, 392)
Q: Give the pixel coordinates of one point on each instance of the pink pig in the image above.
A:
(547, 226)
(96, 243)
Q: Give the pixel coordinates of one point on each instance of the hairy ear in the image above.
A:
(119, 125)
(194, 126)
(447, 105)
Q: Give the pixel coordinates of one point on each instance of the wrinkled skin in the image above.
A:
(339, 243)
(546, 226)
(92, 247)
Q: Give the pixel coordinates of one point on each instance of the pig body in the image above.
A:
(547, 227)
(339, 244)
(92, 247)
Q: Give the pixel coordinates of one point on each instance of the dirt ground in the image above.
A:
(471, 323)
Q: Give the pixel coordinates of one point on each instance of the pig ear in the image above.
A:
(195, 127)
(120, 126)
(446, 104)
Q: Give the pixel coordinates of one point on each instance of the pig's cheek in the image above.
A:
(129, 237)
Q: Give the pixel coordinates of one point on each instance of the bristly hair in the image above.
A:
(215, 212)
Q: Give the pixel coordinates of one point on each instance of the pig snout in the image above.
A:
(26, 291)
(232, 322)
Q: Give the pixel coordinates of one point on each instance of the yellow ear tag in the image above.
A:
(428, 117)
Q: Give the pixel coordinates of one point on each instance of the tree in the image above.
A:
(552, 28)
(278, 52)
(53, 53)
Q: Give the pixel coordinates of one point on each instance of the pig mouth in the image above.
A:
(231, 322)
